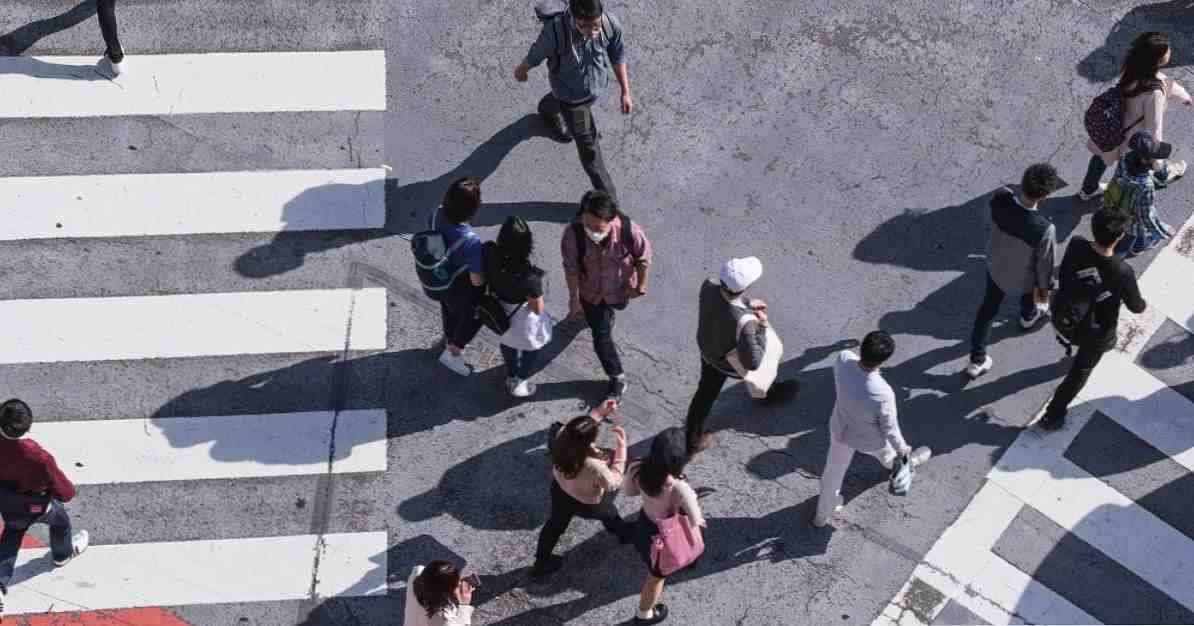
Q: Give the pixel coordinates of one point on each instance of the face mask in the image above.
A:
(596, 237)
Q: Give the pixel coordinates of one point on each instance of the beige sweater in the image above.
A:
(595, 478)
(1151, 105)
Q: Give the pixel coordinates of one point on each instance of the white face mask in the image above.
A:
(596, 237)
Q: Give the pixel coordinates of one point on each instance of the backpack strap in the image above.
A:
(556, 23)
(627, 236)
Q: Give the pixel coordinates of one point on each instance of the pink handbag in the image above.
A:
(678, 544)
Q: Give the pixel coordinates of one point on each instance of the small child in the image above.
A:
(1133, 191)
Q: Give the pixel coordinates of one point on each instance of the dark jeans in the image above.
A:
(458, 312)
(564, 507)
(712, 380)
(986, 314)
(1089, 355)
(15, 527)
(107, 20)
(601, 321)
(580, 122)
(1094, 173)
(519, 362)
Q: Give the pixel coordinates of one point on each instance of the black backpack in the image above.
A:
(626, 239)
(13, 502)
(1072, 306)
(551, 12)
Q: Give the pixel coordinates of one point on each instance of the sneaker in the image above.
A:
(1052, 423)
(522, 388)
(455, 362)
(1167, 229)
(559, 130)
(782, 391)
(80, 542)
(1087, 197)
(920, 455)
(113, 67)
(617, 388)
(543, 567)
(658, 614)
(822, 522)
(1177, 169)
(976, 369)
(1041, 310)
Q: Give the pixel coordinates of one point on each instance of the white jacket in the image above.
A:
(416, 615)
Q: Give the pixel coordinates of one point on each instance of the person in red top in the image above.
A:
(28, 469)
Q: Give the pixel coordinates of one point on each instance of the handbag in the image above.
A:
(13, 502)
(759, 380)
(489, 310)
(901, 476)
(678, 544)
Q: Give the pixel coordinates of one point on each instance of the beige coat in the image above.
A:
(1151, 106)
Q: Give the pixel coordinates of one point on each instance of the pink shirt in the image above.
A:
(595, 478)
(607, 274)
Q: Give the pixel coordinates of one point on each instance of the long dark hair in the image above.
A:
(573, 445)
(1142, 62)
(435, 587)
(669, 455)
(515, 243)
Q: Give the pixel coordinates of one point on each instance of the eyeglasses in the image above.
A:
(589, 23)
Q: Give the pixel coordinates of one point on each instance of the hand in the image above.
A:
(464, 593)
(574, 307)
(627, 103)
(605, 408)
(634, 292)
(906, 450)
(761, 315)
(520, 72)
(757, 304)
(619, 437)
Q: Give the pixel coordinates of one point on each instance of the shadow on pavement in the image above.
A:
(1175, 18)
(18, 41)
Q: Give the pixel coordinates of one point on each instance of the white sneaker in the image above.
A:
(455, 362)
(974, 370)
(920, 455)
(522, 389)
(1177, 169)
(1087, 197)
(106, 63)
(80, 542)
(821, 522)
(1040, 311)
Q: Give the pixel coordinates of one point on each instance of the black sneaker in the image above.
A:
(1052, 423)
(659, 616)
(544, 567)
(782, 391)
(617, 388)
(559, 130)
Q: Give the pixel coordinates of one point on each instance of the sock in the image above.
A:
(648, 614)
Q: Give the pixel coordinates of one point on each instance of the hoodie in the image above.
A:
(1022, 248)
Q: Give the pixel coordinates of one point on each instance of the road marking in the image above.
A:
(176, 84)
(136, 205)
(200, 572)
(121, 617)
(188, 325)
(95, 452)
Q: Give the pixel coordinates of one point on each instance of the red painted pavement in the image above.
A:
(29, 541)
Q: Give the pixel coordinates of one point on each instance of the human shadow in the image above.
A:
(17, 42)
(1175, 18)
(1174, 352)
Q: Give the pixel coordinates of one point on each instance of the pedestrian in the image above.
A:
(606, 261)
(1145, 93)
(659, 480)
(582, 478)
(1021, 252)
(582, 44)
(1091, 272)
(864, 419)
(721, 332)
(436, 595)
(114, 55)
(1133, 193)
(518, 285)
(467, 264)
(28, 470)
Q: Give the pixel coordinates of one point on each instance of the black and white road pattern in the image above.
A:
(211, 306)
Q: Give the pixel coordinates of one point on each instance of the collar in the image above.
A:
(1016, 199)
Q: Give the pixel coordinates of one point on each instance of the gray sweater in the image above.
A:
(1022, 248)
(717, 332)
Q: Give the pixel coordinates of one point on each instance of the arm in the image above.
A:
(476, 262)
(752, 343)
(630, 485)
(462, 616)
(1154, 111)
(60, 486)
(1131, 294)
(1046, 259)
(689, 502)
(571, 270)
(641, 249)
(534, 284)
(544, 45)
(609, 477)
(1177, 93)
(889, 423)
(617, 58)
(536, 305)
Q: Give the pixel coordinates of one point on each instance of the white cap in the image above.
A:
(738, 274)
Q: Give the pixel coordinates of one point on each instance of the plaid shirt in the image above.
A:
(608, 274)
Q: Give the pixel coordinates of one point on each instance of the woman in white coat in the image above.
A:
(436, 596)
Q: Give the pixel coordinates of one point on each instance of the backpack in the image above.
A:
(552, 12)
(433, 260)
(15, 503)
(626, 239)
(1072, 306)
(501, 282)
(1105, 117)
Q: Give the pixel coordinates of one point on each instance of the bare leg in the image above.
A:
(651, 592)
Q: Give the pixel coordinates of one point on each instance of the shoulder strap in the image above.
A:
(627, 236)
(578, 233)
(556, 23)
(606, 28)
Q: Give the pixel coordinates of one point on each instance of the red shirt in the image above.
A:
(28, 468)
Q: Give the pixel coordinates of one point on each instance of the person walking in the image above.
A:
(1091, 267)
(582, 476)
(864, 419)
(1146, 93)
(114, 55)
(1021, 254)
(720, 332)
(1134, 194)
(28, 470)
(582, 46)
(467, 264)
(518, 285)
(437, 596)
(659, 480)
(606, 261)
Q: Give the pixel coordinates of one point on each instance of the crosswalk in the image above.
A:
(214, 177)
(1090, 524)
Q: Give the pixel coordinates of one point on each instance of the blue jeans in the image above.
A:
(519, 362)
(15, 526)
(986, 314)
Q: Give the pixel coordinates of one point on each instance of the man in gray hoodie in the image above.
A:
(1020, 259)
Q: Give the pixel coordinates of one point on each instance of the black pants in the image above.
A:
(107, 20)
(712, 380)
(457, 312)
(601, 318)
(1089, 355)
(564, 507)
(1094, 173)
(580, 122)
(986, 314)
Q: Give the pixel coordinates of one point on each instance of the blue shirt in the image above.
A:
(585, 64)
(469, 253)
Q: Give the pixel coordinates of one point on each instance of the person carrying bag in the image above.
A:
(516, 305)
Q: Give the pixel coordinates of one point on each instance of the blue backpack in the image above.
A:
(433, 259)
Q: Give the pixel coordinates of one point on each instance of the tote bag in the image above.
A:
(761, 379)
(678, 544)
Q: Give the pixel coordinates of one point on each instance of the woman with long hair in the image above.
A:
(582, 476)
(518, 285)
(1146, 93)
(436, 596)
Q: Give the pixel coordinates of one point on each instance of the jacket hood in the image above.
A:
(1003, 199)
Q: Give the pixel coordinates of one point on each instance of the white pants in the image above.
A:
(836, 464)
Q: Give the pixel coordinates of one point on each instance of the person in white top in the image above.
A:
(659, 479)
(864, 419)
(436, 596)
(1146, 94)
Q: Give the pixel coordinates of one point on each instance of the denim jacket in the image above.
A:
(585, 64)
